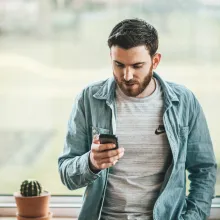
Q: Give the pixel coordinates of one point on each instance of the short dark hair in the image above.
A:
(134, 32)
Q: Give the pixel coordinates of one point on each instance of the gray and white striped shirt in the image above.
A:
(135, 181)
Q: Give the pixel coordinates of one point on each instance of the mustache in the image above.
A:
(130, 82)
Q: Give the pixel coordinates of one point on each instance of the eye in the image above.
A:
(137, 66)
(119, 65)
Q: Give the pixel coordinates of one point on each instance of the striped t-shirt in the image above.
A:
(134, 182)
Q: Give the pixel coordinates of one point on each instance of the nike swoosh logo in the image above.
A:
(160, 130)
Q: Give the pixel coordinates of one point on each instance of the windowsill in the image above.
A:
(62, 218)
(65, 207)
(56, 218)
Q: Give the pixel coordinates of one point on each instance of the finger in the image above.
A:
(116, 161)
(95, 143)
(110, 159)
(113, 158)
(103, 147)
(121, 154)
(96, 139)
(111, 153)
(99, 153)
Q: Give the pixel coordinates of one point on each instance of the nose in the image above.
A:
(128, 74)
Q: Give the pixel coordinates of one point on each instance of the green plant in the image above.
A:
(30, 187)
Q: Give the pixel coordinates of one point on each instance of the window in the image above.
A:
(49, 50)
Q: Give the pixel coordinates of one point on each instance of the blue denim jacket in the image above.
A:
(94, 112)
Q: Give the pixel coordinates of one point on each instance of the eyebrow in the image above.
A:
(138, 63)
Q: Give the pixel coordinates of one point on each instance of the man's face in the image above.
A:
(132, 69)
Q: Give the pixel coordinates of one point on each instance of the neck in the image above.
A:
(149, 89)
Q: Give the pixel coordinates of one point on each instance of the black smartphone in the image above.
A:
(109, 138)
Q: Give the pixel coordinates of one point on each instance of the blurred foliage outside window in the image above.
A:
(49, 50)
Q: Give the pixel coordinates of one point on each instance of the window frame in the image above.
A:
(69, 206)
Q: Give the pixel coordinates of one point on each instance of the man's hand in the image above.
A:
(101, 155)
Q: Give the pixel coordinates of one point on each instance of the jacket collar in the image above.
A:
(107, 91)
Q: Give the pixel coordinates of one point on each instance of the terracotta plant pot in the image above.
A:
(34, 206)
(47, 217)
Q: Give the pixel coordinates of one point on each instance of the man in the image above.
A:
(161, 132)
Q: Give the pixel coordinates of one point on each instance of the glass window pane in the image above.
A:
(49, 50)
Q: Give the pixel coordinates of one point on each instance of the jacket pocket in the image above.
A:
(183, 139)
(98, 130)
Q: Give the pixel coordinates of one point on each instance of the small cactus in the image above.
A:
(30, 187)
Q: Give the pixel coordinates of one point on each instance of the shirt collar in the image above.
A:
(107, 91)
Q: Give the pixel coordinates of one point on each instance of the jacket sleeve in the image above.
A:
(202, 167)
(73, 162)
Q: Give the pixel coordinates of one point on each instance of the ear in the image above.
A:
(156, 60)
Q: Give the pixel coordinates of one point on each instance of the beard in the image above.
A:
(133, 87)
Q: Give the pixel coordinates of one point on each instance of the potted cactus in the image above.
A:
(32, 201)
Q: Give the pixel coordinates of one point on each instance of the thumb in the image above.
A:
(96, 139)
